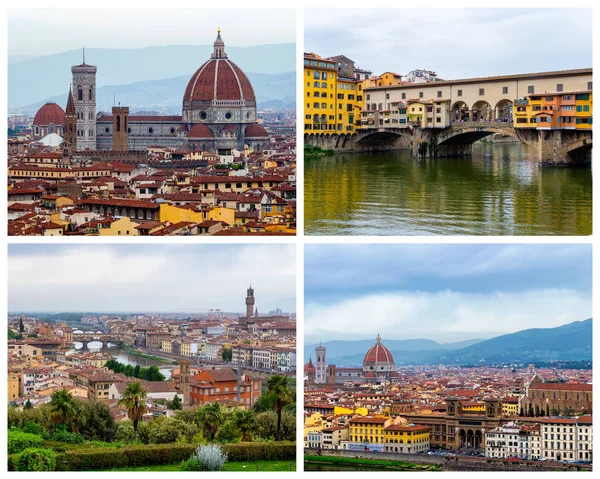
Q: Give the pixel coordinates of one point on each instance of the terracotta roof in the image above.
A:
(378, 353)
(219, 79)
(200, 131)
(121, 202)
(256, 131)
(561, 386)
(518, 76)
(49, 114)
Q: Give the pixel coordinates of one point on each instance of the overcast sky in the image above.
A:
(456, 43)
(46, 31)
(443, 292)
(150, 278)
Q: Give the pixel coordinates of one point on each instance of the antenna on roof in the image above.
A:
(84, 55)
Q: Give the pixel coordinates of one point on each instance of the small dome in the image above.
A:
(256, 131)
(378, 355)
(200, 131)
(49, 114)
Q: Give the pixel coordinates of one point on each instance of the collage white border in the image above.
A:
(300, 239)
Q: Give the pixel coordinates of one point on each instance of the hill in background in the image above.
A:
(38, 79)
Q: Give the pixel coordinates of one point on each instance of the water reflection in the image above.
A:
(497, 191)
(124, 357)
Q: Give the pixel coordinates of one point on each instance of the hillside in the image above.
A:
(352, 352)
(37, 79)
(165, 96)
(570, 342)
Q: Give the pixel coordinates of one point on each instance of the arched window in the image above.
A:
(316, 84)
(317, 76)
(79, 93)
(380, 106)
(90, 94)
(323, 85)
(316, 105)
(118, 122)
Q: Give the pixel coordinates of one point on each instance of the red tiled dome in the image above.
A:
(49, 114)
(219, 79)
(200, 131)
(378, 354)
(256, 131)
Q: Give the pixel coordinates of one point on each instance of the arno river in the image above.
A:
(496, 191)
(127, 358)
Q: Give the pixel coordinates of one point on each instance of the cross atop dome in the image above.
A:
(378, 341)
(219, 47)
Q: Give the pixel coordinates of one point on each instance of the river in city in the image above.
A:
(498, 190)
(125, 357)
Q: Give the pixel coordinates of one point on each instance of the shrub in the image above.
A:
(206, 458)
(80, 458)
(124, 432)
(33, 428)
(69, 437)
(19, 441)
(36, 460)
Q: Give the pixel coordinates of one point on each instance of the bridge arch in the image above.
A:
(503, 111)
(460, 111)
(470, 132)
(481, 111)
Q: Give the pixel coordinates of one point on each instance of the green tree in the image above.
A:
(210, 417)
(279, 395)
(175, 403)
(128, 370)
(96, 422)
(21, 326)
(136, 371)
(11, 334)
(245, 421)
(63, 407)
(227, 355)
(134, 399)
(28, 405)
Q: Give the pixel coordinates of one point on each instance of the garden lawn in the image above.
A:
(229, 466)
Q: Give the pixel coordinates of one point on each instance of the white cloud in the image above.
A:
(444, 315)
(150, 278)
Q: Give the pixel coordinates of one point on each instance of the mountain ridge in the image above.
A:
(35, 79)
(571, 341)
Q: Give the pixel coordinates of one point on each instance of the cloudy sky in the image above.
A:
(150, 278)
(456, 43)
(443, 292)
(46, 31)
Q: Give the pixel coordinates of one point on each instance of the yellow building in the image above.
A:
(166, 346)
(428, 113)
(14, 384)
(341, 411)
(409, 439)
(583, 111)
(121, 227)
(186, 348)
(332, 103)
(554, 111)
(369, 429)
(175, 214)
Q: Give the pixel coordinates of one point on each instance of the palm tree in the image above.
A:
(63, 407)
(279, 395)
(246, 423)
(211, 417)
(133, 399)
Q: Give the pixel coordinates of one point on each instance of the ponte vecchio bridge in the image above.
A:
(478, 107)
